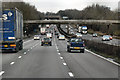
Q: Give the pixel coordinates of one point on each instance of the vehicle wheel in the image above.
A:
(17, 49)
(82, 51)
(51, 44)
(41, 44)
(68, 50)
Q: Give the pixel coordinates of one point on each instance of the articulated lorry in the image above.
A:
(11, 30)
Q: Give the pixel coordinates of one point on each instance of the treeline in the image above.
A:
(95, 11)
(29, 11)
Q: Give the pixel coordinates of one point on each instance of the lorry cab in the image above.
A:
(75, 44)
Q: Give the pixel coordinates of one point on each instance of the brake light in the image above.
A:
(83, 44)
(5, 45)
(13, 45)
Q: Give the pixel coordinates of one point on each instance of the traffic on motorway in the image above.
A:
(55, 51)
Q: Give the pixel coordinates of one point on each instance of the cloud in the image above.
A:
(56, 5)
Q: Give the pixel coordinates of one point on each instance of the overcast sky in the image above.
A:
(56, 5)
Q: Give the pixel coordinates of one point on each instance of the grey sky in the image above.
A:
(56, 5)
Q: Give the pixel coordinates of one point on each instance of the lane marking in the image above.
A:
(71, 74)
(59, 53)
(25, 53)
(61, 57)
(28, 50)
(1, 73)
(64, 64)
(12, 63)
(20, 57)
(31, 47)
(27, 41)
(107, 59)
(58, 50)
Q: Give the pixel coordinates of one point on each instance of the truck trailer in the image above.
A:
(12, 30)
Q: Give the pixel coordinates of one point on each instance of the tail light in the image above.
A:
(13, 45)
(83, 44)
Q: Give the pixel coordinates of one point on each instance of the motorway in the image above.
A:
(36, 61)
(115, 42)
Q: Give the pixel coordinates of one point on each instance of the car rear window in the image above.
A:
(76, 40)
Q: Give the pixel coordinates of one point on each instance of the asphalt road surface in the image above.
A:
(115, 42)
(36, 61)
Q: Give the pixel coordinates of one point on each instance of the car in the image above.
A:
(110, 37)
(56, 33)
(106, 38)
(46, 41)
(95, 35)
(78, 35)
(75, 44)
(49, 35)
(61, 37)
(36, 37)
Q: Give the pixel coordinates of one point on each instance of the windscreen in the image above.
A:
(76, 40)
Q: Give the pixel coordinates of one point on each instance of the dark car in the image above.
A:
(46, 41)
(75, 44)
(56, 33)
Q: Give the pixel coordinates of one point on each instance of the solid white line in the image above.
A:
(59, 53)
(20, 57)
(12, 63)
(1, 73)
(71, 74)
(103, 57)
(64, 64)
(25, 53)
(61, 57)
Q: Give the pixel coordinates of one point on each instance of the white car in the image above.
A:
(49, 35)
(61, 37)
(78, 35)
(36, 37)
(106, 38)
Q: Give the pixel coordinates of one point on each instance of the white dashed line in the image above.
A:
(59, 53)
(1, 73)
(20, 57)
(31, 47)
(58, 50)
(71, 74)
(25, 53)
(61, 57)
(28, 50)
(64, 64)
(12, 63)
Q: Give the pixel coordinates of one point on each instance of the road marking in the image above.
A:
(56, 47)
(1, 73)
(61, 57)
(107, 59)
(12, 63)
(28, 50)
(25, 53)
(31, 47)
(59, 53)
(58, 50)
(20, 57)
(71, 74)
(64, 64)
(27, 41)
